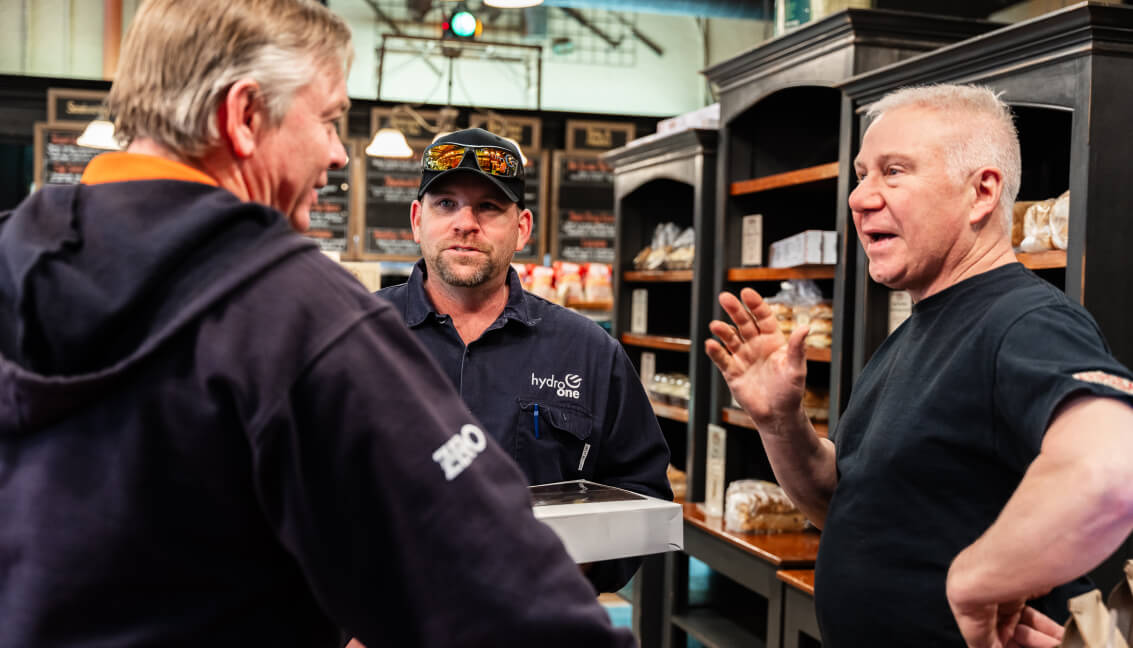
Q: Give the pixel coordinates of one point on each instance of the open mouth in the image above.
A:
(877, 237)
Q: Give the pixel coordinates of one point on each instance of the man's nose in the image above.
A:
(338, 157)
(865, 196)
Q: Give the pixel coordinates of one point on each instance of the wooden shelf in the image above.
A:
(716, 630)
(781, 274)
(669, 411)
(591, 305)
(788, 179)
(815, 354)
(1043, 260)
(739, 418)
(657, 342)
(673, 276)
(784, 550)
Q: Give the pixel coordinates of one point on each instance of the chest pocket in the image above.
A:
(561, 447)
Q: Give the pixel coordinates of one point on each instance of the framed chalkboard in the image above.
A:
(391, 187)
(597, 135)
(332, 216)
(58, 158)
(67, 106)
(535, 181)
(526, 131)
(583, 222)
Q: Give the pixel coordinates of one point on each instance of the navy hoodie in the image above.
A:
(211, 435)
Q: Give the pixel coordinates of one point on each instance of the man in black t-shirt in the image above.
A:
(982, 463)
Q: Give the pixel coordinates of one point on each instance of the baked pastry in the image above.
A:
(1060, 221)
(1017, 217)
(756, 506)
(1036, 227)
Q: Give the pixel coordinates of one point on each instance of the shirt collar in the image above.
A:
(419, 307)
(120, 166)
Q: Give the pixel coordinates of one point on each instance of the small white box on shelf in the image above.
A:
(751, 240)
(648, 367)
(830, 248)
(804, 248)
(639, 311)
(599, 522)
(714, 471)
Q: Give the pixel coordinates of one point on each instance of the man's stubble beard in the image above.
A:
(485, 270)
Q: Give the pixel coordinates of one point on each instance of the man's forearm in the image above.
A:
(804, 465)
(1073, 508)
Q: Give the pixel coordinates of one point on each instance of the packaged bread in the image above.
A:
(1036, 227)
(820, 318)
(1060, 221)
(816, 404)
(1018, 214)
(757, 506)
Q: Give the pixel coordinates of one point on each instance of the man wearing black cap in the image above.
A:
(553, 388)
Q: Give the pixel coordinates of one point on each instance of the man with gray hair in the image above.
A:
(210, 434)
(982, 463)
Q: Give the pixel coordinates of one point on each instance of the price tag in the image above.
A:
(752, 240)
(638, 314)
(714, 471)
(648, 367)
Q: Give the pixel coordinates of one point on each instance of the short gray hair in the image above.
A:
(995, 143)
(180, 58)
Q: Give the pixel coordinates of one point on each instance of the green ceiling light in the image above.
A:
(463, 24)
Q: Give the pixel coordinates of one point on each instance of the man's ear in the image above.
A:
(415, 220)
(525, 222)
(240, 117)
(987, 185)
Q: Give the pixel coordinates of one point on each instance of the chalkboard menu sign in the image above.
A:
(391, 186)
(597, 136)
(526, 131)
(330, 216)
(58, 159)
(534, 182)
(66, 106)
(584, 228)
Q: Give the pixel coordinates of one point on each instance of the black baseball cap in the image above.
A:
(512, 187)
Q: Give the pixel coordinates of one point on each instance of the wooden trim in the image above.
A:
(657, 342)
(658, 275)
(781, 274)
(672, 412)
(111, 36)
(590, 305)
(1042, 260)
(788, 179)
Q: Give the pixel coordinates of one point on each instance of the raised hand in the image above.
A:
(765, 371)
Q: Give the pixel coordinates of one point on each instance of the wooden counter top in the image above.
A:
(800, 579)
(779, 549)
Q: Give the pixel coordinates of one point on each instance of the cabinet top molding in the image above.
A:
(844, 29)
(1086, 29)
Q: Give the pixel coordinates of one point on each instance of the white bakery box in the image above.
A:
(599, 522)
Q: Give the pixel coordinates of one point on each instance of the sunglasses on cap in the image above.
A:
(490, 159)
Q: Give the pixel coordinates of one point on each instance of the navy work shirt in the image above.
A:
(552, 387)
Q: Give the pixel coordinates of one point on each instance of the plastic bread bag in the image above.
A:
(662, 244)
(596, 283)
(757, 506)
(683, 251)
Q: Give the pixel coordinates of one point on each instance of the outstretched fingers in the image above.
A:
(745, 323)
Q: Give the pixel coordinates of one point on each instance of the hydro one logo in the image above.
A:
(567, 387)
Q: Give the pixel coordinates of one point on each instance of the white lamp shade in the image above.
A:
(389, 143)
(512, 4)
(98, 134)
